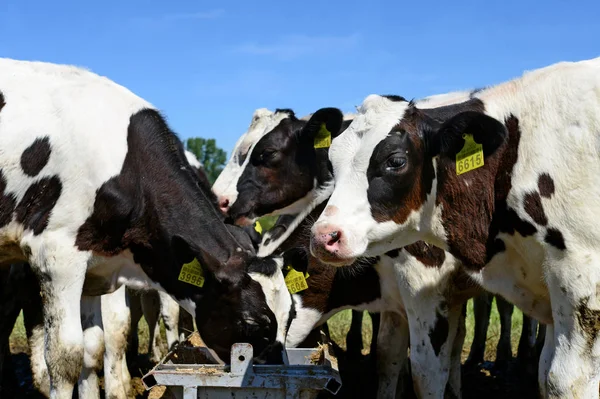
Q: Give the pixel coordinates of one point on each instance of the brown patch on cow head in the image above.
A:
(400, 174)
(36, 206)
(532, 203)
(546, 185)
(36, 156)
(428, 255)
(7, 202)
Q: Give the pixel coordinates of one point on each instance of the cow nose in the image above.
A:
(335, 237)
(224, 204)
(328, 238)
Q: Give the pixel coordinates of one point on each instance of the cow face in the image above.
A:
(385, 177)
(257, 309)
(225, 187)
(285, 167)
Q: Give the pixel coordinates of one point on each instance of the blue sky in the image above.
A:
(209, 65)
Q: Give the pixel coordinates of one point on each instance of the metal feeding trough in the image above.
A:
(194, 373)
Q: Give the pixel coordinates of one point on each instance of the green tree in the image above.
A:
(212, 157)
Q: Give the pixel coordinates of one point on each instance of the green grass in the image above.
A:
(339, 325)
(18, 337)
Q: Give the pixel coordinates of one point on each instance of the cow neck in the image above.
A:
(154, 199)
(291, 222)
(473, 215)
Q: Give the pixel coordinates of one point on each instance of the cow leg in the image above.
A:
(539, 341)
(545, 361)
(151, 309)
(527, 352)
(482, 308)
(135, 308)
(392, 342)
(10, 306)
(33, 318)
(354, 341)
(186, 324)
(375, 322)
(61, 274)
(574, 294)
(432, 331)
(116, 321)
(93, 347)
(454, 388)
(504, 350)
(169, 311)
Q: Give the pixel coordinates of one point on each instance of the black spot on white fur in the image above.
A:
(36, 156)
(7, 202)
(36, 205)
(555, 238)
(439, 334)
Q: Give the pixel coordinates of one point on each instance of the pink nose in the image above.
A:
(224, 204)
(328, 239)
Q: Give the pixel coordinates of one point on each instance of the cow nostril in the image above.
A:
(224, 203)
(335, 237)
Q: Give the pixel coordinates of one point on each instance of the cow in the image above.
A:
(506, 182)
(96, 188)
(286, 171)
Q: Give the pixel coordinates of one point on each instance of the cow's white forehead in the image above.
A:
(376, 116)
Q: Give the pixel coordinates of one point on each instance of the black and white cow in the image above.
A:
(521, 215)
(417, 283)
(95, 187)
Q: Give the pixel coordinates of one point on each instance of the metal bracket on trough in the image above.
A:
(300, 378)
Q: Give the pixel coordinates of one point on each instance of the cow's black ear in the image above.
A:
(448, 139)
(323, 126)
(297, 258)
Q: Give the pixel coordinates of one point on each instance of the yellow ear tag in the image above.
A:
(258, 227)
(192, 273)
(295, 280)
(323, 138)
(470, 157)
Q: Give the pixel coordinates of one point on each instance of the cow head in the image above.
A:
(286, 166)
(388, 167)
(225, 187)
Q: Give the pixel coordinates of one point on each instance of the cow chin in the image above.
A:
(332, 259)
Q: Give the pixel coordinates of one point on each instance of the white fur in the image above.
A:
(277, 296)
(558, 108)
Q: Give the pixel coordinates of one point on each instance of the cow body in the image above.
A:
(94, 186)
(523, 224)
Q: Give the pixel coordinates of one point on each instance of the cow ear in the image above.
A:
(323, 126)
(448, 139)
(297, 258)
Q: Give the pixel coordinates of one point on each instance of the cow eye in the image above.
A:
(395, 162)
(268, 154)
